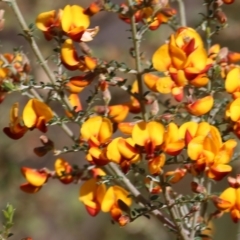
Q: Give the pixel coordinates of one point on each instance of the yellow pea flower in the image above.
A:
(173, 143)
(229, 200)
(189, 130)
(71, 60)
(36, 114)
(35, 180)
(63, 170)
(91, 195)
(96, 130)
(110, 202)
(49, 23)
(122, 152)
(148, 135)
(155, 164)
(211, 155)
(74, 22)
(232, 82)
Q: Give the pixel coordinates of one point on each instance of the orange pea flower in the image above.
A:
(200, 106)
(155, 164)
(96, 130)
(77, 83)
(148, 135)
(71, 60)
(35, 180)
(36, 114)
(175, 176)
(49, 23)
(134, 105)
(233, 57)
(122, 152)
(184, 58)
(74, 22)
(63, 170)
(211, 154)
(229, 200)
(173, 144)
(75, 101)
(93, 8)
(91, 195)
(97, 156)
(16, 128)
(110, 202)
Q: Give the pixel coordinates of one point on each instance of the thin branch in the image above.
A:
(182, 12)
(183, 234)
(136, 43)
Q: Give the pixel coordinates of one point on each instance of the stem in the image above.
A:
(208, 36)
(178, 225)
(136, 44)
(196, 214)
(182, 13)
(205, 204)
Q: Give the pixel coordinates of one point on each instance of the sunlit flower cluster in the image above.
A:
(14, 67)
(183, 60)
(153, 12)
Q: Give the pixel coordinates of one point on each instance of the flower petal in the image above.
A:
(161, 58)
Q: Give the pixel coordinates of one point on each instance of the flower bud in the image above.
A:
(94, 8)
(217, 4)
(228, 1)
(2, 20)
(234, 182)
(123, 220)
(221, 16)
(197, 188)
(154, 108)
(106, 96)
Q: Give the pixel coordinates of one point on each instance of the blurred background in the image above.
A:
(55, 213)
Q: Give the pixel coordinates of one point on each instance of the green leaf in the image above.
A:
(6, 214)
